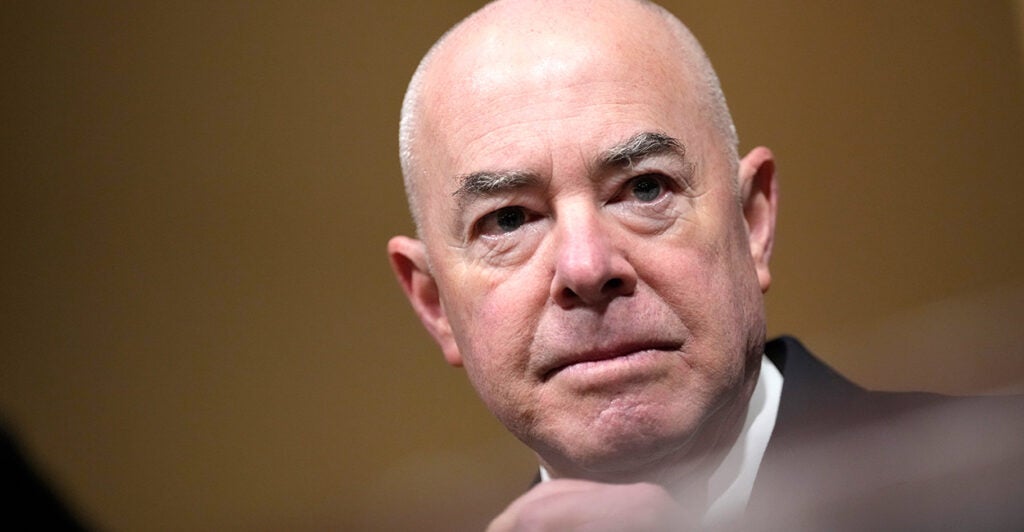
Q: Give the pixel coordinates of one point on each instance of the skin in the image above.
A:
(609, 313)
(595, 507)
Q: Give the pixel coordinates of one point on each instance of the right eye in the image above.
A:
(503, 220)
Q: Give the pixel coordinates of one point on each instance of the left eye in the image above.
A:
(646, 188)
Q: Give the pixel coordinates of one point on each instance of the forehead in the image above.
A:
(508, 94)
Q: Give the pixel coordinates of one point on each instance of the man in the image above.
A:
(594, 252)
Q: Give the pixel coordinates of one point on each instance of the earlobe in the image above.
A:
(408, 258)
(760, 203)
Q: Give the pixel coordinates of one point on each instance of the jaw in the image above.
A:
(633, 440)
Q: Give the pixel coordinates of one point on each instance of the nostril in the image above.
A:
(613, 284)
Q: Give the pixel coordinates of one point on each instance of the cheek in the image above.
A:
(707, 283)
(494, 322)
(495, 336)
(680, 276)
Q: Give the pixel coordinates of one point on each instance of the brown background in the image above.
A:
(199, 328)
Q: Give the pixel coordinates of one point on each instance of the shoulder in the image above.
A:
(813, 393)
(885, 458)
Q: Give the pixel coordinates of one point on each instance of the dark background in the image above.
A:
(198, 326)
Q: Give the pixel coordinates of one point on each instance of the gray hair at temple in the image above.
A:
(711, 99)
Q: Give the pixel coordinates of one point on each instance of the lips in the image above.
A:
(558, 363)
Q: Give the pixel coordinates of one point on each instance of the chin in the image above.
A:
(630, 449)
(628, 464)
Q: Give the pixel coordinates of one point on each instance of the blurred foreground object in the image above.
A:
(846, 458)
(29, 501)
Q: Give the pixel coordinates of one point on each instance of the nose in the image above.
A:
(590, 269)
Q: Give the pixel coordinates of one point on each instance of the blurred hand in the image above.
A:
(565, 504)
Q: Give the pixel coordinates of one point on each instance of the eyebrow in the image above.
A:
(640, 146)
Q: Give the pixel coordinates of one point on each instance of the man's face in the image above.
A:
(589, 250)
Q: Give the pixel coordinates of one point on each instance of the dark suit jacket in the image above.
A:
(842, 457)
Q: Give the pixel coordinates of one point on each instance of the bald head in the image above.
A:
(531, 42)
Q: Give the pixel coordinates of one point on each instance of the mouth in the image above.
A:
(596, 357)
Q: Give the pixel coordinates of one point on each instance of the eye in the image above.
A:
(646, 188)
(503, 220)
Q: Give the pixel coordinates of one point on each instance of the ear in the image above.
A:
(760, 202)
(408, 258)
